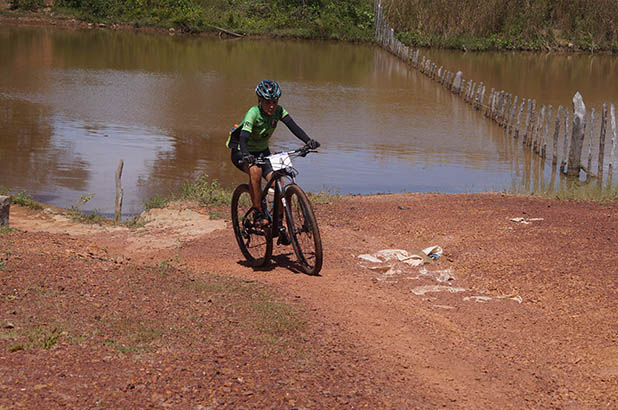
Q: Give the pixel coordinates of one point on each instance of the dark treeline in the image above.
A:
(506, 24)
(590, 25)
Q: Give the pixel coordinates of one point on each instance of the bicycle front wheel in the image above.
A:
(255, 243)
(303, 228)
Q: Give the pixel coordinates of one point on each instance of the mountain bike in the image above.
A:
(256, 240)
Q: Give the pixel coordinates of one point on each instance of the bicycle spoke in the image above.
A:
(254, 243)
(305, 235)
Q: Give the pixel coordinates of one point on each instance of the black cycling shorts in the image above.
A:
(237, 158)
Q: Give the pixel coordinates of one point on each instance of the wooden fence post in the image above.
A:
(499, 107)
(118, 210)
(554, 159)
(612, 133)
(527, 123)
(5, 209)
(533, 121)
(537, 134)
(577, 137)
(487, 108)
(512, 119)
(602, 139)
(457, 82)
(477, 95)
(507, 111)
(521, 109)
(563, 163)
(546, 133)
(493, 105)
(589, 163)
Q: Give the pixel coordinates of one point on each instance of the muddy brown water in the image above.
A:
(73, 103)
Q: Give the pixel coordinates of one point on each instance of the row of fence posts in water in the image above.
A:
(505, 109)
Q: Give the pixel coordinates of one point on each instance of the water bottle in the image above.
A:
(270, 198)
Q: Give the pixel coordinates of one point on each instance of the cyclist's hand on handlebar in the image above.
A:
(248, 159)
(313, 144)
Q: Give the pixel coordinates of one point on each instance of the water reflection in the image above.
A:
(73, 103)
(27, 144)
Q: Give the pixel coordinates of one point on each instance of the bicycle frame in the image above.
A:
(276, 183)
(275, 180)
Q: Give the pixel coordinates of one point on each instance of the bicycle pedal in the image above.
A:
(284, 238)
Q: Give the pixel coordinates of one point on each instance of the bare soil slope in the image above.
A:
(521, 310)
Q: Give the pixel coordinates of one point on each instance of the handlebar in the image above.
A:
(299, 152)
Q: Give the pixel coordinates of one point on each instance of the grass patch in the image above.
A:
(325, 196)
(134, 222)
(167, 265)
(156, 201)
(22, 199)
(43, 337)
(216, 215)
(89, 218)
(279, 325)
(135, 309)
(6, 230)
(206, 192)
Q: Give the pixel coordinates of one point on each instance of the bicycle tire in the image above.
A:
(256, 244)
(303, 229)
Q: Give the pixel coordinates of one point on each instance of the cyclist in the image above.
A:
(250, 140)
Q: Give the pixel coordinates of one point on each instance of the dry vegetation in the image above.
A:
(508, 24)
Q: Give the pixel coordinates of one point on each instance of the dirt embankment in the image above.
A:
(520, 310)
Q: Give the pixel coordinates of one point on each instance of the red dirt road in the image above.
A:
(515, 314)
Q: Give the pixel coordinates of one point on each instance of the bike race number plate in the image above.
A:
(280, 161)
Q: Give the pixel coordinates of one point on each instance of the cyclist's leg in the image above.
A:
(256, 172)
(255, 184)
(255, 176)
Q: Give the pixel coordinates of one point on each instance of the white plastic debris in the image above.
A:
(526, 221)
(483, 299)
(391, 262)
(421, 290)
(444, 275)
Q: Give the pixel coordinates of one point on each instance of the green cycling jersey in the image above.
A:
(259, 126)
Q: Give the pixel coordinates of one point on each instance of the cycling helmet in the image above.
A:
(268, 90)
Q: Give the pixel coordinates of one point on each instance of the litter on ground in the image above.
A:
(391, 264)
(483, 299)
(526, 221)
(421, 290)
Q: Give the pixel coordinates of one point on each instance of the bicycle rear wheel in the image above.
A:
(303, 228)
(255, 243)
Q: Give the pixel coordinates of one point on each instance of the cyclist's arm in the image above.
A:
(296, 130)
(244, 141)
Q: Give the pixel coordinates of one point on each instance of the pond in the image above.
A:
(74, 103)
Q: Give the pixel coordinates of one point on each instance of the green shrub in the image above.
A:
(24, 199)
(207, 193)
(155, 201)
